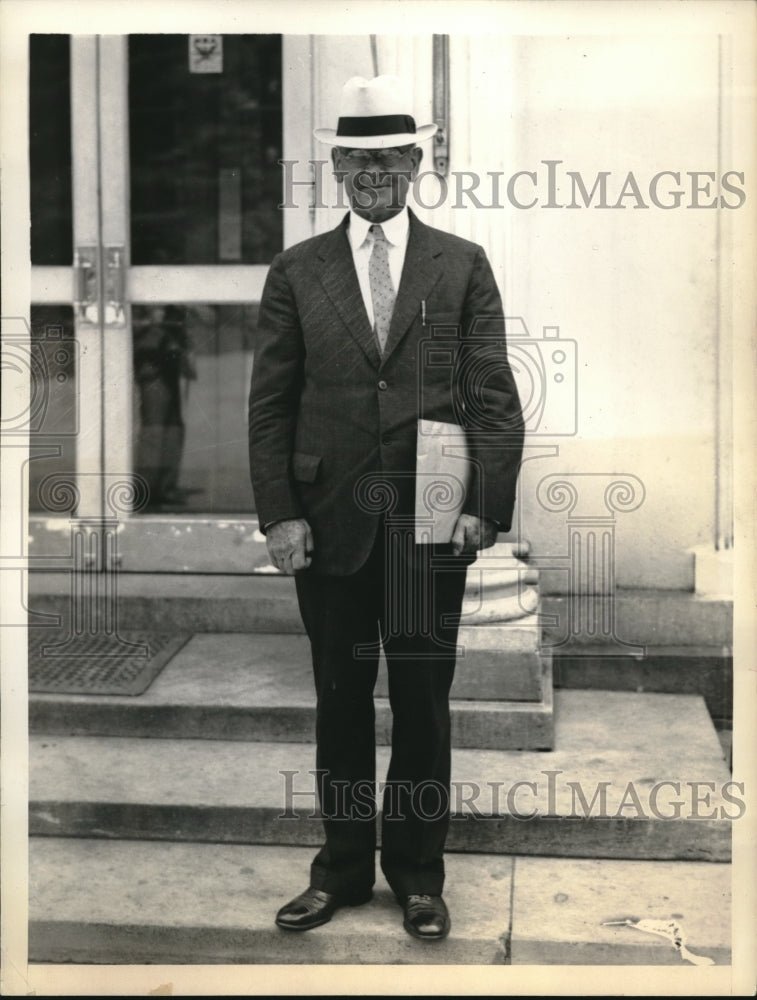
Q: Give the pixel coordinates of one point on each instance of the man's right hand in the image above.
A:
(290, 545)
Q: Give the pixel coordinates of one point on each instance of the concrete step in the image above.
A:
(122, 902)
(498, 660)
(574, 912)
(618, 745)
(253, 596)
(705, 670)
(260, 687)
(268, 603)
(180, 602)
(203, 903)
(644, 617)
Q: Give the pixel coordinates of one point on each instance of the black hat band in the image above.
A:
(376, 125)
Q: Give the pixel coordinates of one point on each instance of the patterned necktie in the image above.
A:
(382, 291)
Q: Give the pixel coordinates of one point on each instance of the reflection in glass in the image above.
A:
(50, 149)
(163, 367)
(54, 423)
(204, 151)
(192, 368)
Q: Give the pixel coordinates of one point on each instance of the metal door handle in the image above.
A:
(115, 284)
(85, 283)
(86, 276)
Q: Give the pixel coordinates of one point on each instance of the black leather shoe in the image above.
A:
(426, 917)
(314, 907)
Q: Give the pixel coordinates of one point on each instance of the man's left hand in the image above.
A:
(473, 533)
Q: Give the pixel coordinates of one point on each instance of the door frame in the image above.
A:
(152, 543)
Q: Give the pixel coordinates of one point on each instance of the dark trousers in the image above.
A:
(407, 599)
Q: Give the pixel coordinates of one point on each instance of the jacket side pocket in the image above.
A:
(305, 467)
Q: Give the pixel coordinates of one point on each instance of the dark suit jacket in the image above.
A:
(331, 421)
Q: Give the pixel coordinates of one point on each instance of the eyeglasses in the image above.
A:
(381, 157)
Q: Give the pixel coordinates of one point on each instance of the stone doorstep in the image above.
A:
(495, 662)
(475, 724)
(260, 603)
(132, 902)
(705, 670)
(137, 902)
(237, 548)
(648, 618)
(236, 792)
(181, 602)
(561, 909)
(260, 687)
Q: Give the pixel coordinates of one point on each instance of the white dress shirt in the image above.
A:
(396, 231)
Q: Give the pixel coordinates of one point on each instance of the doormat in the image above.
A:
(125, 664)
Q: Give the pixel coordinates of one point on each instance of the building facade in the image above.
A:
(599, 173)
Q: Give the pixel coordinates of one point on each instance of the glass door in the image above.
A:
(162, 200)
(66, 487)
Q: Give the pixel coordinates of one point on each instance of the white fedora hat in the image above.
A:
(374, 114)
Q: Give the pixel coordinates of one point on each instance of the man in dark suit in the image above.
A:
(344, 370)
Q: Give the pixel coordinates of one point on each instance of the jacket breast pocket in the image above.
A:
(442, 317)
(305, 467)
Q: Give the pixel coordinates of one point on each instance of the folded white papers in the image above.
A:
(442, 478)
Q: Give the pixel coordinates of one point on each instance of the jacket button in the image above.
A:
(386, 440)
(382, 385)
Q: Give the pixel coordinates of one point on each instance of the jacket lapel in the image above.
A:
(336, 272)
(421, 271)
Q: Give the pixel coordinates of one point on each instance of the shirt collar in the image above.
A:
(395, 229)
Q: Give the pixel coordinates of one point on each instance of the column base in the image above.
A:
(713, 572)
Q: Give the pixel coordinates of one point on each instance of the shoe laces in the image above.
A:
(418, 901)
